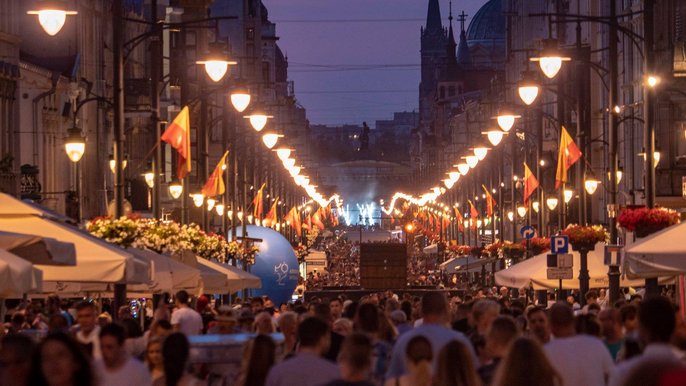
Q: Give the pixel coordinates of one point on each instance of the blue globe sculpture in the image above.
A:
(275, 264)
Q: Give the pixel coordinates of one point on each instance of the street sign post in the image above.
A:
(527, 232)
(560, 265)
(559, 244)
(613, 255)
(560, 274)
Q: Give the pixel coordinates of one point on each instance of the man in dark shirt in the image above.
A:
(502, 333)
(323, 312)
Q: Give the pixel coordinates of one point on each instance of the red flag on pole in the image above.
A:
(293, 218)
(490, 202)
(258, 205)
(271, 219)
(568, 154)
(178, 136)
(530, 183)
(460, 220)
(215, 183)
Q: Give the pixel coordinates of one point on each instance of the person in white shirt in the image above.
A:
(579, 359)
(87, 330)
(656, 324)
(185, 319)
(117, 366)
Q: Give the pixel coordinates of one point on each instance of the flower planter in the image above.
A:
(583, 246)
(514, 254)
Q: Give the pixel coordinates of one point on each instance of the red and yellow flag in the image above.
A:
(490, 202)
(258, 205)
(215, 183)
(178, 136)
(445, 221)
(473, 214)
(271, 219)
(293, 218)
(568, 154)
(317, 219)
(530, 183)
(460, 220)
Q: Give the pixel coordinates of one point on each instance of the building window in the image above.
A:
(442, 92)
(451, 91)
(250, 33)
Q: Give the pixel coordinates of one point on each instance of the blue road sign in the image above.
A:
(559, 244)
(528, 232)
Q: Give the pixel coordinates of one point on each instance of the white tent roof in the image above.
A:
(534, 270)
(465, 264)
(96, 261)
(236, 278)
(433, 248)
(17, 276)
(169, 276)
(661, 254)
(37, 249)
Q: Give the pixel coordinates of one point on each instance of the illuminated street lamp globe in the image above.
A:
(536, 206)
(568, 195)
(74, 144)
(495, 136)
(528, 88)
(219, 208)
(210, 203)
(283, 153)
(448, 183)
(550, 60)
(52, 15)
(506, 119)
(471, 160)
(510, 216)
(455, 176)
(270, 139)
(551, 203)
(258, 119)
(521, 211)
(463, 168)
(289, 163)
(175, 189)
(591, 184)
(149, 179)
(240, 99)
(198, 199)
(216, 64)
(480, 152)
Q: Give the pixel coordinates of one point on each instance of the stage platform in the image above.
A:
(355, 293)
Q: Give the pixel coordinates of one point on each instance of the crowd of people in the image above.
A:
(383, 339)
(343, 267)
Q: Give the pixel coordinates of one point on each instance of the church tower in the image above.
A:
(434, 39)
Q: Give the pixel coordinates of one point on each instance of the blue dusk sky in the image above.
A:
(355, 60)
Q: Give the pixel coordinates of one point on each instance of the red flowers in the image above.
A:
(538, 245)
(645, 221)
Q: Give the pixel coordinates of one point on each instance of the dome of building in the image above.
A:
(487, 27)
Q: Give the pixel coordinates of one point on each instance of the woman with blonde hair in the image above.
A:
(154, 359)
(418, 357)
(456, 366)
(526, 365)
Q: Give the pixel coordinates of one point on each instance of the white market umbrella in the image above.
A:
(661, 254)
(534, 271)
(236, 278)
(96, 260)
(17, 276)
(38, 249)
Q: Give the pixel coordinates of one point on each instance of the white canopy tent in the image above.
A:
(37, 249)
(661, 254)
(466, 264)
(235, 278)
(96, 260)
(17, 276)
(433, 248)
(534, 271)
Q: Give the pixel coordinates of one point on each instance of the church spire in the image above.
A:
(451, 37)
(463, 56)
(433, 17)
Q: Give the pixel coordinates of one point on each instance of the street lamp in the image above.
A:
(510, 216)
(448, 183)
(463, 168)
(289, 163)
(219, 208)
(149, 179)
(536, 206)
(240, 99)
(591, 184)
(283, 153)
(550, 60)
(455, 176)
(74, 144)
(270, 139)
(52, 15)
(528, 88)
(210, 203)
(551, 203)
(656, 156)
(480, 152)
(175, 189)
(198, 199)
(495, 136)
(568, 193)
(258, 119)
(521, 211)
(215, 62)
(113, 163)
(620, 174)
(471, 160)
(506, 119)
